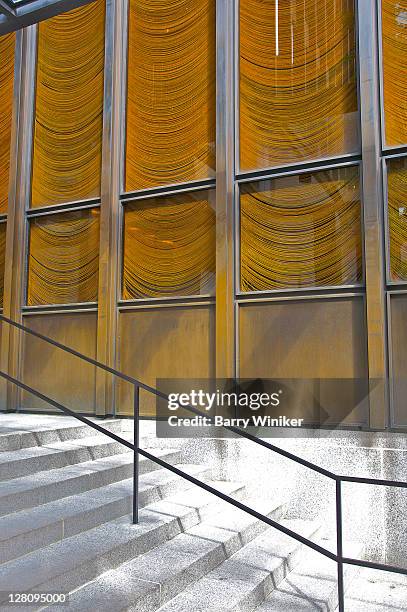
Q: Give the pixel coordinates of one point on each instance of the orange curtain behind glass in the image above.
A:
(7, 44)
(69, 106)
(3, 230)
(397, 199)
(298, 95)
(64, 258)
(169, 246)
(302, 231)
(394, 34)
(171, 92)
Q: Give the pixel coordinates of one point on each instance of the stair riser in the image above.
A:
(58, 490)
(205, 564)
(53, 532)
(17, 441)
(51, 461)
(262, 590)
(89, 570)
(143, 594)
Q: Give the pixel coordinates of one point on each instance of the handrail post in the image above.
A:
(136, 440)
(339, 546)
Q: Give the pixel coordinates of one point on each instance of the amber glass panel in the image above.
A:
(169, 246)
(301, 231)
(7, 44)
(69, 106)
(3, 230)
(394, 35)
(171, 92)
(64, 258)
(397, 199)
(298, 97)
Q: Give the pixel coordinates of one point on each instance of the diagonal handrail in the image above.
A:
(338, 557)
(172, 468)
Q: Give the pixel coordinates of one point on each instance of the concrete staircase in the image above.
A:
(65, 526)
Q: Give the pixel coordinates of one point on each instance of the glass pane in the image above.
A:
(69, 106)
(3, 231)
(7, 45)
(169, 246)
(64, 258)
(397, 199)
(301, 231)
(394, 36)
(298, 96)
(171, 92)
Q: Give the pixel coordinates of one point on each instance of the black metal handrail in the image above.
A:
(338, 557)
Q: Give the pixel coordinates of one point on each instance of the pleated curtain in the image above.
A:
(170, 135)
(298, 94)
(394, 37)
(397, 210)
(64, 258)
(301, 231)
(7, 49)
(69, 106)
(169, 246)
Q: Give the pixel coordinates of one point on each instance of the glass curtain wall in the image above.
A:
(295, 184)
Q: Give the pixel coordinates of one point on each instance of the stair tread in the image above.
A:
(56, 447)
(47, 477)
(312, 584)
(373, 591)
(229, 585)
(58, 559)
(163, 571)
(61, 509)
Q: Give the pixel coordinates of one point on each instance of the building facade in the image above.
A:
(196, 189)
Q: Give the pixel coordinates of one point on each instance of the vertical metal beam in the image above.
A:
(19, 198)
(373, 211)
(136, 443)
(110, 205)
(225, 173)
(339, 547)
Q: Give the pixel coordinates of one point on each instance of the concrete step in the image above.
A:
(25, 531)
(373, 591)
(242, 582)
(43, 487)
(26, 461)
(68, 564)
(312, 584)
(147, 582)
(19, 431)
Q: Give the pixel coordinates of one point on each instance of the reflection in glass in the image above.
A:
(298, 96)
(64, 258)
(169, 246)
(397, 207)
(7, 45)
(301, 231)
(69, 106)
(170, 134)
(394, 36)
